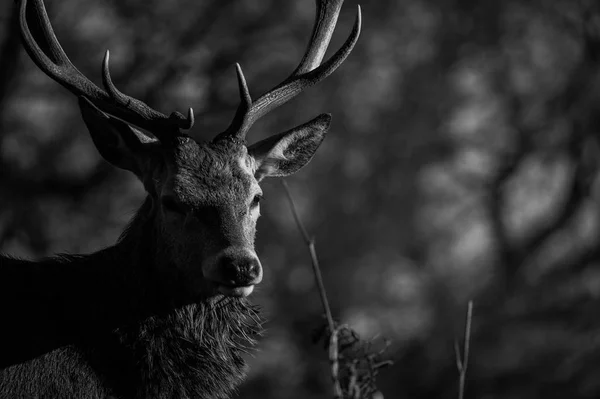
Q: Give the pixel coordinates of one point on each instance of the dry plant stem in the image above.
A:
(310, 242)
(335, 364)
(462, 362)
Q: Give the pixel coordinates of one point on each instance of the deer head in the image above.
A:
(205, 196)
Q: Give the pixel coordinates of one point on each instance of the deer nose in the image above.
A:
(239, 268)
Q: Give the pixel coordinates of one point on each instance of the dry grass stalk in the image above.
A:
(462, 361)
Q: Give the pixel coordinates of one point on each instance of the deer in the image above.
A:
(164, 312)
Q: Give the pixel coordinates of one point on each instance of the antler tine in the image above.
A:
(138, 106)
(245, 101)
(325, 21)
(309, 72)
(55, 63)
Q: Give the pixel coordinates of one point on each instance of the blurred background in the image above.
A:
(463, 163)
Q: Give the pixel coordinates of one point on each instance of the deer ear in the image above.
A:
(285, 153)
(118, 143)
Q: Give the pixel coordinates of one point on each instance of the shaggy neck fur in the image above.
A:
(117, 331)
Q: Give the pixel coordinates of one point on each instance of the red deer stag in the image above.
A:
(162, 313)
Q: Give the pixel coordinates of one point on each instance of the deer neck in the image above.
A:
(153, 284)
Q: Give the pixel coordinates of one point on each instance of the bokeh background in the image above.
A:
(462, 163)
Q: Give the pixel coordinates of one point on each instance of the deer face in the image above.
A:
(209, 204)
(206, 196)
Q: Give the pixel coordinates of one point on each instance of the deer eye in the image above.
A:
(256, 200)
(171, 205)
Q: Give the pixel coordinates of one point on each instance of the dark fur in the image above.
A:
(95, 326)
(193, 352)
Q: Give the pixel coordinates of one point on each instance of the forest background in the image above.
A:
(463, 163)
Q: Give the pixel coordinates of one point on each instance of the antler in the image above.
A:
(309, 72)
(55, 63)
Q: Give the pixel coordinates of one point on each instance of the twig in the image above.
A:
(462, 363)
(310, 242)
(333, 340)
(334, 361)
(354, 363)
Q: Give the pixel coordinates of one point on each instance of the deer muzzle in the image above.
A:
(234, 272)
